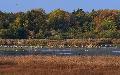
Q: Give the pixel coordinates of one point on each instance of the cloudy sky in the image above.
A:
(48, 5)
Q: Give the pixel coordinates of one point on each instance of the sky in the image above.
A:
(49, 5)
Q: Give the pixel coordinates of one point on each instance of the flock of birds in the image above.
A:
(38, 47)
(42, 50)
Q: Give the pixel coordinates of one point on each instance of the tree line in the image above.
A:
(60, 24)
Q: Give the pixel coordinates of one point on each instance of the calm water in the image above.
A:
(64, 51)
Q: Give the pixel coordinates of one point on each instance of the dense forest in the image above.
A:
(60, 24)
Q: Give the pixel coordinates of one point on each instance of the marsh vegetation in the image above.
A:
(53, 65)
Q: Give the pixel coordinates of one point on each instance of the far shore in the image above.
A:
(66, 43)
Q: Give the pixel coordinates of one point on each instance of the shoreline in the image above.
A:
(67, 43)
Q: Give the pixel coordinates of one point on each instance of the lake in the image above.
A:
(63, 51)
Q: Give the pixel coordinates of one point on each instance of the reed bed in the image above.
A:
(60, 43)
(59, 65)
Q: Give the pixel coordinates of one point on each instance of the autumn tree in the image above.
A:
(60, 24)
(59, 20)
(109, 25)
(18, 26)
(101, 15)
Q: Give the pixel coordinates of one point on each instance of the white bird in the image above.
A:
(76, 46)
(86, 50)
(82, 46)
(105, 45)
(41, 47)
(36, 47)
(5, 46)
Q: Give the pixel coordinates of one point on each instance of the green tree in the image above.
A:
(6, 19)
(6, 34)
(40, 35)
(108, 25)
(36, 20)
(59, 20)
(110, 34)
(118, 21)
(83, 20)
(18, 26)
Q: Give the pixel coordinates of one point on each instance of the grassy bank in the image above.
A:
(60, 43)
(52, 65)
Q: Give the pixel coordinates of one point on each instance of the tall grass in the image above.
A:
(60, 65)
(57, 43)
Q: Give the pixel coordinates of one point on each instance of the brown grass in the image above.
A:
(60, 65)
(57, 43)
